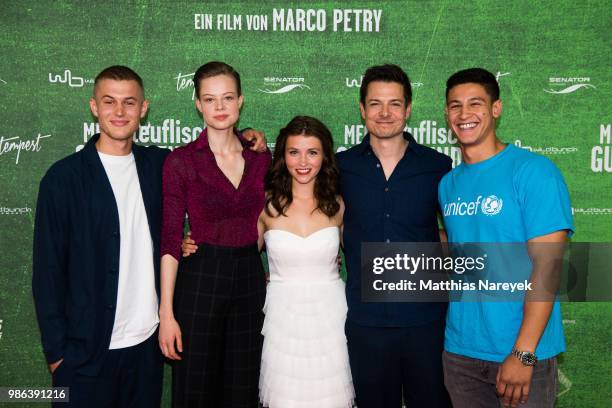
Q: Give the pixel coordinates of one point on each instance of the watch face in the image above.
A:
(529, 359)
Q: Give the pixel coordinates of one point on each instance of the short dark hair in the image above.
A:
(119, 73)
(386, 73)
(278, 181)
(214, 68)
(477, 76)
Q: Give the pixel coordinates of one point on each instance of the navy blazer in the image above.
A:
(76, 252)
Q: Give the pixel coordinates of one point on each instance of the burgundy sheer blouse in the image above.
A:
(219, 214)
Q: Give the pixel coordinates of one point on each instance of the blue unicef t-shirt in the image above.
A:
(513, 196)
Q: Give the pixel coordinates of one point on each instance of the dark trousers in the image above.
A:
(130, 377)
(471, 382)
(218, 304)
(389, 363)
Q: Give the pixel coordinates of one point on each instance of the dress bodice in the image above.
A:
(303, 259)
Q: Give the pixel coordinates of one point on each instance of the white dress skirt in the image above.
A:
(304, 362)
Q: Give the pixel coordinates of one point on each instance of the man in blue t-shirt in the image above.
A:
(500, 351)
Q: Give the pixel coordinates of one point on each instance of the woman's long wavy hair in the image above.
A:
(278, 181)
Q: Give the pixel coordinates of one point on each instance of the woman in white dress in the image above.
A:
(304, 361)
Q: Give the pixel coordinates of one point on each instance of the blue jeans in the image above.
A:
(471, 382)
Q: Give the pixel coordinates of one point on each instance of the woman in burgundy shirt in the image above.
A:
(211, 303)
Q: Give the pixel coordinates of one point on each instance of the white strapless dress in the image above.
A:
(304, 362)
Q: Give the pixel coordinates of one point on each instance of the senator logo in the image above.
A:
(568, 85)
(68, 78)
(282, 85)
(490, 205)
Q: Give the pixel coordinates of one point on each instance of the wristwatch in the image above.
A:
(526, 357)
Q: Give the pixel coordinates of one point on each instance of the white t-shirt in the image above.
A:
(136, 316)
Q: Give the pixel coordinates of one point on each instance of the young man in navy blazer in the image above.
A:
(96, 251)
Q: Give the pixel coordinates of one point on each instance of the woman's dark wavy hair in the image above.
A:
(278, 180)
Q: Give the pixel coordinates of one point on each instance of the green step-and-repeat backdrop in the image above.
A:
(552, 60)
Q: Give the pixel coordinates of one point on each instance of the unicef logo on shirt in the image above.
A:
(492, 205)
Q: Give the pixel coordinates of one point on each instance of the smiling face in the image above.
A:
(384, 110)
(471, 114)
(219, 102)
(303, 157)
(119, 105)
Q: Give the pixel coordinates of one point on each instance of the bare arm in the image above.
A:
(169, 330)
(537, 311)
(513, 378)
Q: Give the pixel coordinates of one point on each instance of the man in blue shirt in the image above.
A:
(514, 196)
(389, 185)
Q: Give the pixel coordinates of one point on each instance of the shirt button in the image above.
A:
(115, 234)
(387, 215)
(387, 240)
(386, 189)
(378, 165)
(110, 306)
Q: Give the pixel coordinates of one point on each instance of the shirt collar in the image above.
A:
(413, 146)
(202, 141)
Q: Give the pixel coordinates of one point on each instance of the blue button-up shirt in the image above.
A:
(401, 209)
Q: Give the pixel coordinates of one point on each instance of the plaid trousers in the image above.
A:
(218, 301)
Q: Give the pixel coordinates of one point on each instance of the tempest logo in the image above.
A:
(18, 144)
(185, 82)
